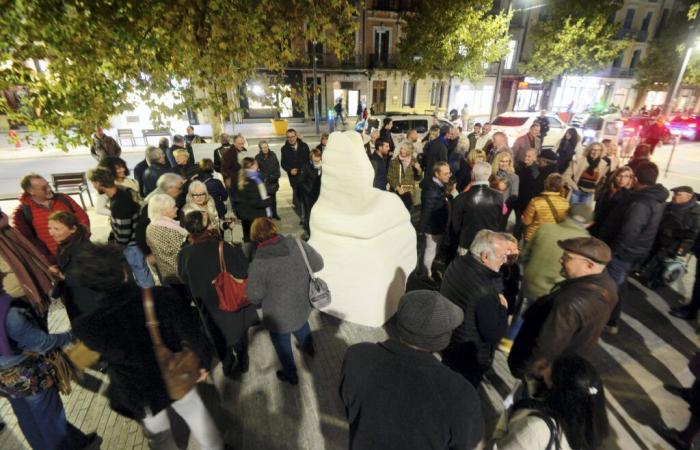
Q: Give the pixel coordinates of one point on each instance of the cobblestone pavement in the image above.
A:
(258, 412)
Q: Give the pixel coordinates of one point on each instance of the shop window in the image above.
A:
(408, 97)
(436, 93)
(512, 45)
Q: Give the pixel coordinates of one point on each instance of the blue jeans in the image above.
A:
(42, 419)
(137, 261)
(283, 346)
(580, 197)
(618, 271)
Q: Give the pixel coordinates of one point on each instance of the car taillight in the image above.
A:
(692, 125)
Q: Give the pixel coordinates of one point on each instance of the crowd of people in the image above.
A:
(523, 249)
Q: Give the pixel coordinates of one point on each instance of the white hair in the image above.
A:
(484, 242)
(153, 155)
(481, 171)
(159, 203)
(196, 185)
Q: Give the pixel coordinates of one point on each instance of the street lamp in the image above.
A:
(691, 42)
(316, 115)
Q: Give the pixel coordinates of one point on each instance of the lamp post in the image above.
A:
(499, 75)
(680, 73)
(316, 114)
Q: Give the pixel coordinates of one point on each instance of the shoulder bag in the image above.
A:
(180, 370)
(319, 294)
(552, 208)
(229, 289)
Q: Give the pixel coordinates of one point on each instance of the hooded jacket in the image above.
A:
(631, 230)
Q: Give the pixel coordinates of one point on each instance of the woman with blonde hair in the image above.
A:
(404, 172)
(548, 207)
(585, 172)
(503, 167)
(198, 199)
(165, 237)
(252, 200)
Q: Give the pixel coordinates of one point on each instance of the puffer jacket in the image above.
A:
(568, 320)
(480, 208)
(630, 231)
(679, 228)
(539, 211)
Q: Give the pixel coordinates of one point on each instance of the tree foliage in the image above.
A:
(102, 52)
(575, 38)
(665, 53)
(455, 38)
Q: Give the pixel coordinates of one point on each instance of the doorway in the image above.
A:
(379, 96)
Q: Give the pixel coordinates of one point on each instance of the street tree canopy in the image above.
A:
(575, 37)
(100, 53)
(456, 38)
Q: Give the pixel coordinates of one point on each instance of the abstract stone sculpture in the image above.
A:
(364, 235)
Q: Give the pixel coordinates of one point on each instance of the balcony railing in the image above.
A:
(357, 61)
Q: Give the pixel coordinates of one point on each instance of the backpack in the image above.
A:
(539, 411)
(27, 210)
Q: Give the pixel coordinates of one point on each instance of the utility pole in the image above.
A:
(316, 115)
(499, 74)
(680, 73)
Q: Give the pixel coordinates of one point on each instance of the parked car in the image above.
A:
(685, 127)
(403, 122)
(634, 127)
(599, 127)
(515, 124)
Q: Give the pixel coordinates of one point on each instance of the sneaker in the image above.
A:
(611, 329)
(293, 380)
(505, 345)
(683, 312)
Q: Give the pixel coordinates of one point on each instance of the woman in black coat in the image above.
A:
(117, 331)
(215, 188)
(270, 171)
(252, 200)
(71, 238)
(566, 149)
(197, 269)
(612, 196)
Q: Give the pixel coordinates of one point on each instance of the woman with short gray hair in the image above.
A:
(165, 237)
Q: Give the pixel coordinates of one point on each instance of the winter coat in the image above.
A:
(169, 155)
(379, 383)
(386, 136)
(480, 208)
(572, 175)
(379, 165)
(151, 175)
(310, 184)
(530, 185)
(230, 165)
(630, 230)
(472, 286)
(679, 228)
(249, 203)
(566, 151)
(294, 159)
(165, 243)
(434, 209)
(77, 299)
(278, 280)
(186, 171)
(117, 331)
(197, 267)
(539, 212)
(568, 320)
(522, 144)
(605, 205)
(37, 229)
(397, 176)
(139, 171)
(218, 154)
(104, 147)
(269, 171)
(433, 152)
(522, 430)
(540, 257)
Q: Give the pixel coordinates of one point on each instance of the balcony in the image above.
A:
(615, 72)
(357, 61)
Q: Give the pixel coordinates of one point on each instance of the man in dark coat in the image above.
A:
(678, 231)
(480, 208)
(474, 135)
(528, 172)
(434, 152)
(269, 167)
(397, 395)
(385, 135)
(572, 317)
(179, 144)
(219, 151)
(295, 154)
(310, 185)
(434, 212)
(139, 171)
(631, 229)
(103, 145)
(379, 160)
(470, 283)
(230, 166)
(157, 167)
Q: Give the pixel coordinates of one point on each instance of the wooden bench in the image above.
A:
(127, 134)
(72, 183)
(154, 133)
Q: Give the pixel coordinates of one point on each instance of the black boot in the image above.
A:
(684, 312)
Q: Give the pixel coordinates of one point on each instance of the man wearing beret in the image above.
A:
(572, 317)
(398, 395)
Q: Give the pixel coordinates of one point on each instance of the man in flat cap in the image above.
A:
(678, 230)
(398, 395)
(571, 318)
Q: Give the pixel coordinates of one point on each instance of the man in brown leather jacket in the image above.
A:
(571, 318)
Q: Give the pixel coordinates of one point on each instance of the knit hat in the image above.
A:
(426, 319)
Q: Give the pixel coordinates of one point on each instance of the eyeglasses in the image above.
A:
(199, 195)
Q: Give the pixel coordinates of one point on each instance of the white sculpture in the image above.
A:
(364, 235)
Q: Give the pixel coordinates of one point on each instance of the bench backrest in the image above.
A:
(125, 133)
(68, 180)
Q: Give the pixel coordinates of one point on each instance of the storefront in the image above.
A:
(528, 96)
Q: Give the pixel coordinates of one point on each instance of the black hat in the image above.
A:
(687, 189)
(426, 319)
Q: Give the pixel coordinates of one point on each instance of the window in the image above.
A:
(382, 44)
(506, 121)
(646, 21)
(409, 94)
(617, 62)
(629, 19)
(400, 126)
(421, 126)
(554, 123)
(436, 92)
(662, 22)
(512, 44)
(635, 59)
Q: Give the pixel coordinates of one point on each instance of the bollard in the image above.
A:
(670, 157)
